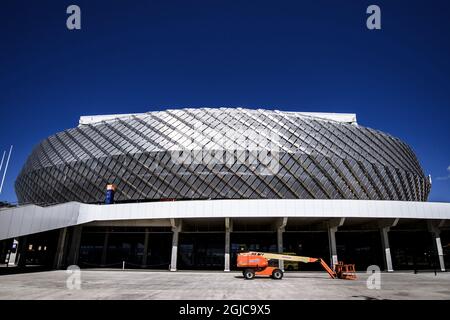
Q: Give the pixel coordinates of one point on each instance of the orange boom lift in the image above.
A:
(257, 264)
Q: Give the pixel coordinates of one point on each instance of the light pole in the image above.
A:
(6, 168)
(3, 158)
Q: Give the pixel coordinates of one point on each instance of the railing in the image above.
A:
(123, 265)
(10, 205)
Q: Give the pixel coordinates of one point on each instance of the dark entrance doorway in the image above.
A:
(361, 248)
(201, 250)
(5, 250)
(412, 250)
(125, 245)
(307, 244)
(40, 248)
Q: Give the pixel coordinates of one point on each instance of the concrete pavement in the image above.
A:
(128, 284)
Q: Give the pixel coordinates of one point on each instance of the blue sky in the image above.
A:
(140, 56)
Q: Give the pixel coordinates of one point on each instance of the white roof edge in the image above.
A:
(338, 117)
(99, 118)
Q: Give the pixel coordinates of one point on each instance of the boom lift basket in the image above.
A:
(345, 271)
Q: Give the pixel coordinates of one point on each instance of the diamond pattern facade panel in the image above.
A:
(221, 153)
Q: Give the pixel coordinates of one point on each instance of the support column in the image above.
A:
(385, 226)
(22, 251)
(176, 228)
(228, 229)
(105, 248)
(74, 250)
(440, 252)
(14, 252)
(436, 233)
(386, 249)
(280, 229)
(144, 257)
(332, 245)
(333, 226)
(59, 256)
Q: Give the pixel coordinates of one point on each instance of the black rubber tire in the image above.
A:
(249, 274)
(277, 274)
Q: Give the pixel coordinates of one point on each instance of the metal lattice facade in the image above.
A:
(316, 159)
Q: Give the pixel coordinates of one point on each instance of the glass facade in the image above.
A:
(205, 250)
(413, 250)
(151, 248)
(362, 249)
(110, 247)
(201, 250)
(91, 248)
(307, 244)
(39, 248)
(128, 247)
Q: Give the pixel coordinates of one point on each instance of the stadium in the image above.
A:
(190, 188)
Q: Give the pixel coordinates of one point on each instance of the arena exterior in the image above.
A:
(193, 187)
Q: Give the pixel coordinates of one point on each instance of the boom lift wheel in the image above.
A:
(277, 274)
(249, 274)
